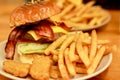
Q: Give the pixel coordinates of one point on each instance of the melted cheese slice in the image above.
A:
(33, 34)
(56, 29)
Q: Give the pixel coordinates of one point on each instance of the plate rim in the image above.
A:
(96, 26)
(99, 71)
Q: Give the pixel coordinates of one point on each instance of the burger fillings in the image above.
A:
(33, 31)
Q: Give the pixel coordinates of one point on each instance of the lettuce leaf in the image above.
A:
(28, 48)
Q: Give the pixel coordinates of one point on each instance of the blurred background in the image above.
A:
(112, 4)
(109, 4)
(6, 6)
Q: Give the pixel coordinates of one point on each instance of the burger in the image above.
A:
(33, 31)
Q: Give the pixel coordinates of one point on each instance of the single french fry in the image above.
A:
(55, 58)
(93, 47)
(55, 55)
(81, 36)
(62, 66)
(76, 2)
(66, 10)
(54, 52)
(76, 36)
(66, 42)
(72, 52)
(55, 44)
(108, 49)
(77, 19)
(96, 60)
(69, 64)
(99, 42)
(101, 19)
(74, 24)
(88, 5)
(93, 21)
(86, 50)
(86, 36)
(72, 14)
(82, 54)
(102, 42)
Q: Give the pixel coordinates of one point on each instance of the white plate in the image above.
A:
(86, 28)
(104, 64)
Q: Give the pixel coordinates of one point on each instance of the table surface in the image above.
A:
(111, 31)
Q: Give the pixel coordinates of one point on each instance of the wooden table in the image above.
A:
(111, 31)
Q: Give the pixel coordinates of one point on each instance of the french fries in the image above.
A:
(79, 15)
(78, 53)
(96, 60)
(81, 53)
(72, 52)
(56, 44)
(93, 45)
(62, 66)
(69, 64)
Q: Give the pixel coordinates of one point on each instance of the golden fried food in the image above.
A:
(55, 45)
(62, 67)
(93, 45)
(16, 68)
(81, 52)
(96, 60)
(75, 53)
(54, 72)
(79, 15)
(69, 64)
(40, 68)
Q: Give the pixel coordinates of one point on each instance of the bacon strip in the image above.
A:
(12, 40)
(10, 45)
(44, 29)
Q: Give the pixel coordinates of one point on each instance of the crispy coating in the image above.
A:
(40, 69)
(54, 72)
(16, 68)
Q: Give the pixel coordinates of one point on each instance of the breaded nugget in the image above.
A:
(16, 68)
(40, 68)
(54, 72)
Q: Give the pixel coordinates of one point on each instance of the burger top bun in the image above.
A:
(32, 12)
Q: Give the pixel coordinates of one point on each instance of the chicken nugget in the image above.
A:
(16, 68)
(40, 68)
(54, 72)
